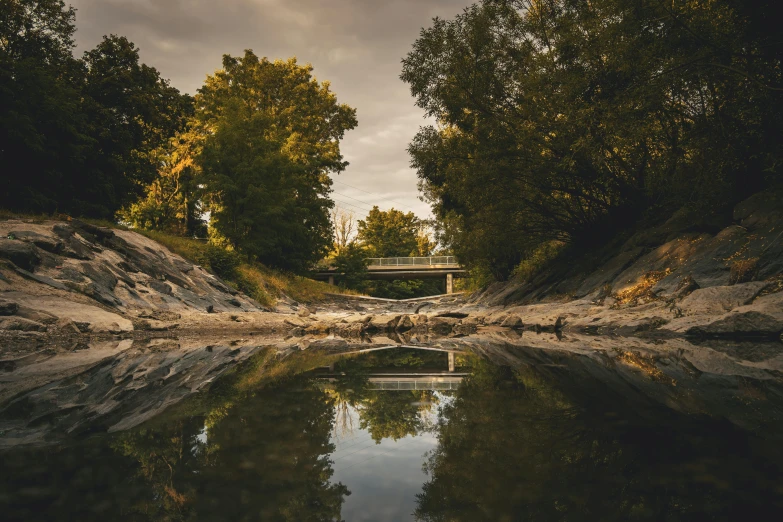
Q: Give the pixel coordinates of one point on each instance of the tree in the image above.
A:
(132, 113)
(344, 224)
(41, 134)
(76, 136)
(351, 262)
(570, 120)
(173, 201)
(390, 233)
(272, 136)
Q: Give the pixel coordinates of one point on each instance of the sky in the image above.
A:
(356, 45)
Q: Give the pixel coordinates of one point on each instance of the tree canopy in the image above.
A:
(272, 136)
(391, 233)
(568, 119)
(76, 135)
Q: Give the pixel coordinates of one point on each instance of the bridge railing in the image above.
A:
(413, 261)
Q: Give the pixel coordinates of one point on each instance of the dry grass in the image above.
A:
(642, 290)
(191, 249)
(743, 270)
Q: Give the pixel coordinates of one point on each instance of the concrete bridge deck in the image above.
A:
(389, 268)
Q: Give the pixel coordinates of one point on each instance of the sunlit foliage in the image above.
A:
(273, 136)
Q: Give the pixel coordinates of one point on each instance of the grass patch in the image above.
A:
(261, 283)
(541, 259)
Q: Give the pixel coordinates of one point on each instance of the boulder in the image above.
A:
(354, 329)
(8, 308)
(21, 254)
(420, 319)
(67, 326)
(718, 300)
(404, 324)
(50, 244)
(512, 321)
(383, 323)
(20, 324)
(441, 325)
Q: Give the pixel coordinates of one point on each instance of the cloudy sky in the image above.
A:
(355, 44)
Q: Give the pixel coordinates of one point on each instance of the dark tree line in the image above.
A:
(77, 135)
(570, 120)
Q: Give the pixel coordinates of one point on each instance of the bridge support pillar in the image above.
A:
(331, 280)
(449, 283)
(451, 361)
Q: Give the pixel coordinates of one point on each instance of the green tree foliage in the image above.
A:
(351, 261)
(390, 233)
(238, 469)
(131, 112)
(393, 233)
(41, 139)
(389, 414)
(568, 120)
(272, 138)
(76, 136)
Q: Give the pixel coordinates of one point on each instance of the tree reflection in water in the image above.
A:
(511, 447)
(386, 414)
(267, 458)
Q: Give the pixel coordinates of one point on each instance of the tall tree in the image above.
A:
(41, 135)
(132, 113)
(76, 136)
(273, 136)
(568, 119)
(390, 233)
(173, 201)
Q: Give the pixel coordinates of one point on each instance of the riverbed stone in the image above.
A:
(8, 308)
(20, 324)
(23, 255)
(404, 324)
(50, 244)
(512, 321)
(718, 300)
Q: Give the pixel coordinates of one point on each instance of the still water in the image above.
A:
(405, 434)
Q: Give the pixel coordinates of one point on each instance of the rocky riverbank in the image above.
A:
(106, 325)
(63, 280)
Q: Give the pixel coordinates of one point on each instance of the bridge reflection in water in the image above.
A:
(401, 379)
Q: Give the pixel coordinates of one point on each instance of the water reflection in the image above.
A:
(405, 434)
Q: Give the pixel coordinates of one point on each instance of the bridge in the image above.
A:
(406, 268)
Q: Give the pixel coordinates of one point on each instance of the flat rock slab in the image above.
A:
(718, 300)
(100, 320)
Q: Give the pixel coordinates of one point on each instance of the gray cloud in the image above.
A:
(356, 45)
